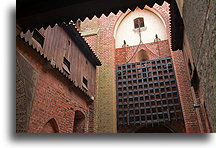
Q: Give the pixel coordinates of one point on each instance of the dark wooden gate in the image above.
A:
(147, 93)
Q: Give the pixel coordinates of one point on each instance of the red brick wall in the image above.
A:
(93, 41)
(183, 82)
(55, 97)
(128, 54)
(182, 76)
(103, 44)
(191, 122)
(105, 40)
(201, 111)
(50, 127)
(106, 92)
(105, 49)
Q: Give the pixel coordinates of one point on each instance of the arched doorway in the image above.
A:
(50, 127)
(79, 122)
(154, 129)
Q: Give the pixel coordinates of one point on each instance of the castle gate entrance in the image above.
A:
(147, 94)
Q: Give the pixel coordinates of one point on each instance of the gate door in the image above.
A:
(147, 93)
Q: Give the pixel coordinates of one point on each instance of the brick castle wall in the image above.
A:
(182, 77)
(183, 82)
(154, 50)
(54, 97)
(105, 49)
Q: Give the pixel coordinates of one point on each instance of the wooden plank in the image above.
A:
(56, 47)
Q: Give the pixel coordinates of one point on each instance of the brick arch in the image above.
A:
(50, 127)
(141, 55)
(161, 11)
(164, 13)
(119, 20)
(79, 122)
(163, 128)
(145, 53)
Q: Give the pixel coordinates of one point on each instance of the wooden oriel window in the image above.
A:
(139, 22)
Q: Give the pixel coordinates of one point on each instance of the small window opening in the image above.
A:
(85, 83)
(66, 65)
(69, 42)
(38, 37)
(139, 22)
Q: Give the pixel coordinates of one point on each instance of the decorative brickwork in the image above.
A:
(154, 50)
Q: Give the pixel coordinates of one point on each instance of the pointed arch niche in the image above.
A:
(124, 30)
(79, 122)
(141, 55)
(50, 127)
(155, 129)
